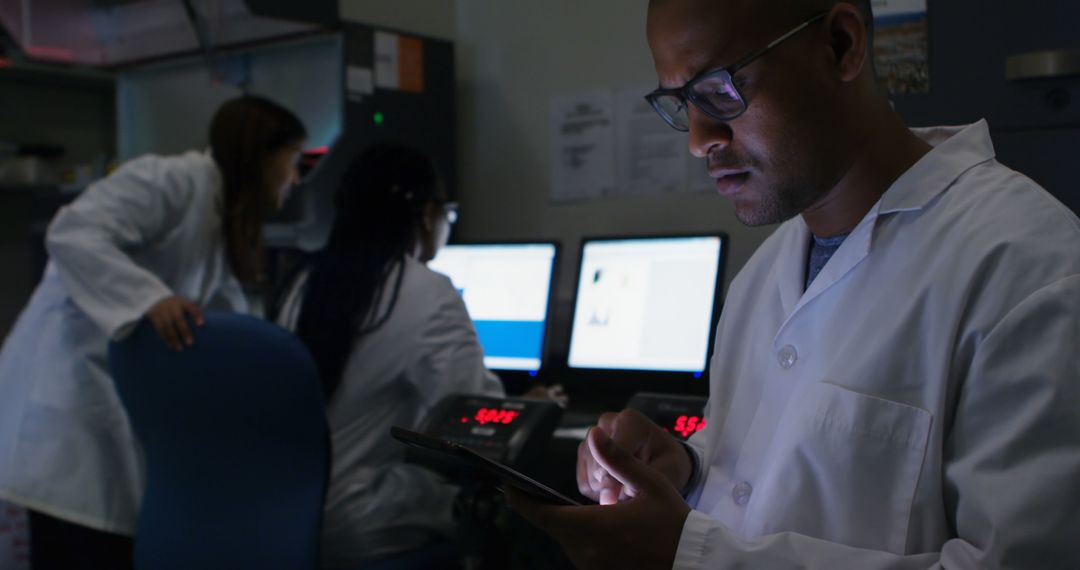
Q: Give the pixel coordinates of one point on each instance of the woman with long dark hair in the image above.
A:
(164, 237)
(391, 338)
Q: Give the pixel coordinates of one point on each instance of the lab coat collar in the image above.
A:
(855, 248)
(956, 150)
(217, 183)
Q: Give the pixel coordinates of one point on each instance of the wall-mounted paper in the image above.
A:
(582, 146)
(651, 156)
(359, 81)
(386, 61)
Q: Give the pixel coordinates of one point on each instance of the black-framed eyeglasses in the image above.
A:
(713, 92)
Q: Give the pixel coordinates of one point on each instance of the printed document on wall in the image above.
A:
(582, 153)
(651, 156)
(387, 60)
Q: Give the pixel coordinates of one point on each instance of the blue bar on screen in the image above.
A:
(511, 339)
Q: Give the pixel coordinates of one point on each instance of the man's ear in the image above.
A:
(849, 38)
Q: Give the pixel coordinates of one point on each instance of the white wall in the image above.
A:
(513, 58)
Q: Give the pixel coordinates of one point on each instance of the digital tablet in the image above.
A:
(504, 473)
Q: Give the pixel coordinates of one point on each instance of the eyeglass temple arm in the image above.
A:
(746, 60)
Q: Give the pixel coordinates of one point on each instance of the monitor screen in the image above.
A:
(506, 288)
(646, 303)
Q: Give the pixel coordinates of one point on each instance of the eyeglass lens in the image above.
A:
(716, 96)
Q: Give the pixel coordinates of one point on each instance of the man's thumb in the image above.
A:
(620, 464)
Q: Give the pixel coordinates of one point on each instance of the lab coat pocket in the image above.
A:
(69, 367)
(844, 467)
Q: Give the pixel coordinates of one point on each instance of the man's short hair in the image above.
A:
(865, 8)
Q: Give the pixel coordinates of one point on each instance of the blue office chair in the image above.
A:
(236, 444)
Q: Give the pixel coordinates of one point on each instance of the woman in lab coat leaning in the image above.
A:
(391, 338)
(164, 237)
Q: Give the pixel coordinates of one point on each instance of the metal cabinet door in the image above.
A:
(1035, 123)
(970, 42)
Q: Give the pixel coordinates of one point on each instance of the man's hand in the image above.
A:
(642, 532)
(169, 317)
(644, 440)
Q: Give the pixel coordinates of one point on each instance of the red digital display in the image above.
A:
(687, 425)
(486, 416)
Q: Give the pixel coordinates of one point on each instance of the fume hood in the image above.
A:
(117, 33)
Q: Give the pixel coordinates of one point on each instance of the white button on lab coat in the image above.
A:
(378, 505)
(924, 412)
(151, 230)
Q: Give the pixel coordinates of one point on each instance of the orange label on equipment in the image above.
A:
(411, 64)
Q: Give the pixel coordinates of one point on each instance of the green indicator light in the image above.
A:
(379, 118)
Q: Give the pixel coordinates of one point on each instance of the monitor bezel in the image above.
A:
(594, 384)
(511, 374)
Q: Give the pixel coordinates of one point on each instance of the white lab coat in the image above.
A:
(917, 406)
(376, 504)
(151, 230)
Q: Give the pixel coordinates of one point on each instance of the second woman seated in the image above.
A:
(390, 338)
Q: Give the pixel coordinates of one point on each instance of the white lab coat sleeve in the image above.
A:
(696, 448)
(452, 358)
(1011, 462)
(90, 242)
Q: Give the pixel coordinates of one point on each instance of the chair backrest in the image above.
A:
(236, 443)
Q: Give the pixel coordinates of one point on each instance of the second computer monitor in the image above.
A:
(507, 289)
(646, 303)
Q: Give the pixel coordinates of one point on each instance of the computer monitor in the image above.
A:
(646, 304)
(507, 291)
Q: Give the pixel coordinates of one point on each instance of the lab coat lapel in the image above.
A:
(791, 268)
(956, 150)
(854, 249)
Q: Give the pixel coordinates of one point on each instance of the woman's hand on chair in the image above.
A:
(169, 317)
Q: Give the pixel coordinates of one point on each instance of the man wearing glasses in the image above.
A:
(896, 375)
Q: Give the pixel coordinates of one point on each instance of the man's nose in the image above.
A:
(706, 133)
